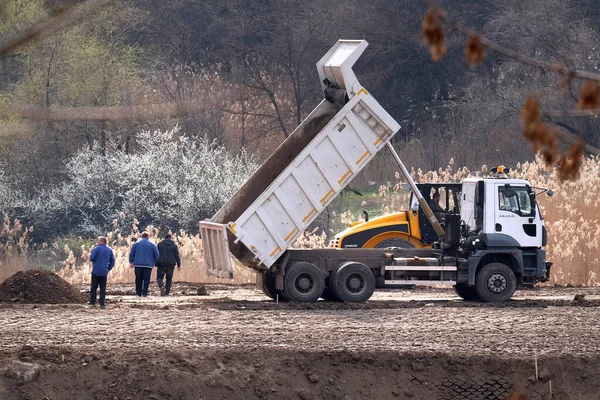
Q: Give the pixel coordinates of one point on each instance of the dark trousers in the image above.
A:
(142, 280)
(161, 271)
(98, 280)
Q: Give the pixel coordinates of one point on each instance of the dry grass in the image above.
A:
(14, 249)
(572, 215)
(572, 219)
(190, 248)
(11, 264)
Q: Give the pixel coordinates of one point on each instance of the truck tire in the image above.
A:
(269, 288)
(268, 284)
(465, 292)
(328, 295)
(394, 242)
(353, 282)
(495, 282)
(303, 283)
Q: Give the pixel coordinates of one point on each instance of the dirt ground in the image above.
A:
(236, 344)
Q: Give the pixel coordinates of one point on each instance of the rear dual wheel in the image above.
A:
(352, 282)
(269, 287)
(303, 283)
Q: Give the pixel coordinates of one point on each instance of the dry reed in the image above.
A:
(572, 219)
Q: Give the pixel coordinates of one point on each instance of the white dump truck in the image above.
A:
(490, 240)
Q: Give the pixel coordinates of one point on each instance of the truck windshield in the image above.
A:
(515, 199)
(414, 203)
(449, 199)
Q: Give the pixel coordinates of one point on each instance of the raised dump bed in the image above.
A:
(282, 198)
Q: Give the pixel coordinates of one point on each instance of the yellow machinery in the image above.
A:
(405, 229)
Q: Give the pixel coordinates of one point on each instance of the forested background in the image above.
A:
(248, 67)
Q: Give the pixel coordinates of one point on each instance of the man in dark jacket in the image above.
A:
(169, 257)
(143, 256)
(103, 260)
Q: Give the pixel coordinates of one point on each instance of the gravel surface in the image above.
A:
(400, 320)
(235, 344)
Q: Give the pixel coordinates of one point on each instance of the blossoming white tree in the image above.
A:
(172, 181)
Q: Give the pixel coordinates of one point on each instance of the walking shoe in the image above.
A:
(102, 306)
(162, 291)
(92, 304)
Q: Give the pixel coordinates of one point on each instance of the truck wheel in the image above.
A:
(303, 283)
(269, 288)
(353, 282)
(395, 242)
(495, 282)
(465, 292)
(328, 295)
(268, 284)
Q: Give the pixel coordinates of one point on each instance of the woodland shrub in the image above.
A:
(171, 181)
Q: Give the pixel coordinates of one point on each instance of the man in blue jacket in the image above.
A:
(103, 260)
(143, 256)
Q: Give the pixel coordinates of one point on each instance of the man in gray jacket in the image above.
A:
(169, 257)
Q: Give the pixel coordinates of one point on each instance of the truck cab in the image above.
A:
(493, 241)
(510, 214)
(502, 228)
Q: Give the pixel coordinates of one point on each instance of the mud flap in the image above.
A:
(215, 249)
(546, 277)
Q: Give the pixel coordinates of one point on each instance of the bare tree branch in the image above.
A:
(571, 113)
(49, 25)
(113, 113)
(534, 119)
(572, 138)
(515, 55)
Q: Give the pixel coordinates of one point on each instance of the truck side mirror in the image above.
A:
(550, 193)
(480, 192)
(509, 192)
(479, 201)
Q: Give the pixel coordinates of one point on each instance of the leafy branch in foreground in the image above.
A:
(61, 18)
(535, 129)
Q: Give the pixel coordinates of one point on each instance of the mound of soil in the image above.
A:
(38, 287)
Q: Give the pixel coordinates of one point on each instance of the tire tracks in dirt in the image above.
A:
(497, 331)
